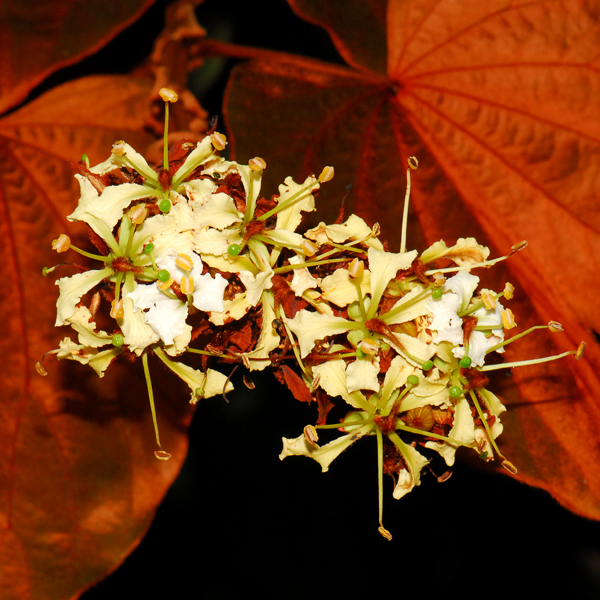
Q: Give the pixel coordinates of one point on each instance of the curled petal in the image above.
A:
(325, 454)
(71, 290)
(310, 327)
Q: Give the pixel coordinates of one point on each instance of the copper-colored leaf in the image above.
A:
(37, 38)
(496, 100)
(78, 475)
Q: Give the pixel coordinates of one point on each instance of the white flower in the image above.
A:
(167, 315)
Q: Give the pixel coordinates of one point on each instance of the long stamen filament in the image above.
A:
(160, 453)
(514, 338)
(524, 363)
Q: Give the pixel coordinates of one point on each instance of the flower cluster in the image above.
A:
(194, 259)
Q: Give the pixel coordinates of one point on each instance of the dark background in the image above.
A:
(239, 521)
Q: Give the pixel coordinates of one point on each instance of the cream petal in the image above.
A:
(332, 378)
(465, 252)
(208, 294)
(341, 290)
(289, 218)
(325, 454)
(83, 323)
(73, 288)
(383, 267)
(361, 374)
(210, 383)
(310, 327)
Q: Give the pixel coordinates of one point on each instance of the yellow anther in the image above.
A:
(311, 435)
(489, 299)
(187, 285)
(117, 310)
(326, 174)
(257, 164)
(138, 213)
(183, 261)
(309, 248)
(356, 268)
(62, 243)
(40, 369)
(413, 163)
(509, 467)
(315, 382)
(369, 347)
(163, 286)
(118, 148)
(519, 246)
(580, 351)
(168, 95)
(219, 141)
(555, 327)
(508, 319)
(509, 290)
(385, 533)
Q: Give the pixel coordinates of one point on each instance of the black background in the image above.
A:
(239, 521)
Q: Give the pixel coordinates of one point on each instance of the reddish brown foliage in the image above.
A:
(493, 99)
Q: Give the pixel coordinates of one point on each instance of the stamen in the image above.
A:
(165, 285)
(356, 268)
(326, 175)
(508, 319)
(311, 435)
(117, 310)
(183, 261)
(168, 96)
(413, 163)
(555, 327)
(257, 164)
(308, 248)
(187, 285)
(219, 141)
(509, 290)
(160, 453)
(489, 299)
(138, 214)
(62, 243)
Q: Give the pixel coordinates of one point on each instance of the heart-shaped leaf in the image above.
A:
(496, 100)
